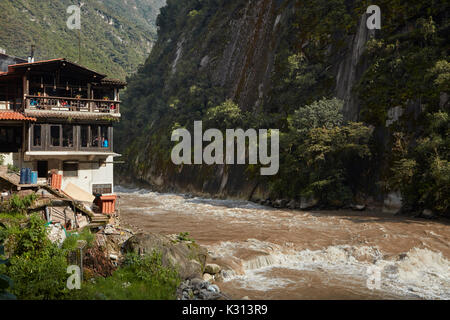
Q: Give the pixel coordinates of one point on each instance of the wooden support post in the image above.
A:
(26, 91)
(7, 98)
(89, 96)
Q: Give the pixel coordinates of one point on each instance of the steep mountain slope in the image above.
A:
(282, 63)
(116, 35)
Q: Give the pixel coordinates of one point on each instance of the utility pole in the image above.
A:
(79, 46)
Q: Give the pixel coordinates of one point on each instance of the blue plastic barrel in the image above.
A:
(28, 178)
(23, 175)
(34, 176)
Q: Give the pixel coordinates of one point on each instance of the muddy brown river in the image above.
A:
(269, 253)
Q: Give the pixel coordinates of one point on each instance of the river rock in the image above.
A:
(218, 277)
(208, 277)
(308, 203)
(197, 289)
(358, 207)
(212, 268)
(393, 203)
(428, 214)
(188, 258)
(293, 204)
(280, 203)
(213, 288)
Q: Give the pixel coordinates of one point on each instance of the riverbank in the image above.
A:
(391, 205)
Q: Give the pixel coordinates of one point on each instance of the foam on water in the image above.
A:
(421, 272)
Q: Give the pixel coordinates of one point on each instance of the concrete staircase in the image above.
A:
(98, 220)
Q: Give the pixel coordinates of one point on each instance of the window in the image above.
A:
(67, 136)
(55, 136)
(70, 169)
(95, 136)
(37, 140)
(101, 188)
(104, 137)
(95, 142)
(85, 137)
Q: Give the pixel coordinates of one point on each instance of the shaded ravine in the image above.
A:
(283, 254)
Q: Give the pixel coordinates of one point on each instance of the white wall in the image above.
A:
(89, 172)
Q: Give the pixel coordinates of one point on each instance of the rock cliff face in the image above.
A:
(351, 69)
(269, 56)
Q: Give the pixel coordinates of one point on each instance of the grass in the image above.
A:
(139, 278)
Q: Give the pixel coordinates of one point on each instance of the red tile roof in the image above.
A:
(12, 115)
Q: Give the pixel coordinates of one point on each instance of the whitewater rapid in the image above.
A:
(284, 254)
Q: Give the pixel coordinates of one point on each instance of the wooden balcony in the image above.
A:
(50, 105)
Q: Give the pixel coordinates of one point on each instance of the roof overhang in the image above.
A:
(79, 155)
(8, 115)
(54, 114)
(53, 66)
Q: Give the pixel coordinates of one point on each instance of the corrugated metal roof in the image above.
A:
(12, 115)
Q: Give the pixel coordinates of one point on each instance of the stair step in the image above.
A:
(99, 219)
(95, 225)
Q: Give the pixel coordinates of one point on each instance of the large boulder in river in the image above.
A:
(393, 203)
(189, 258)
(308, 203)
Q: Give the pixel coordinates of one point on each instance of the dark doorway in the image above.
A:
(42, 169)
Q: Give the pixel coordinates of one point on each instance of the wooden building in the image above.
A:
(56, 115)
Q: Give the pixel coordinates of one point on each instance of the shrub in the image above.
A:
(13, 168)
(36, 266)
(42, 276)
(321, 156)
(5, 281)
(325, 113)
(225, 116)
(19, 204)
(31, 239)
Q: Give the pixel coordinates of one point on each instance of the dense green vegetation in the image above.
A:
(322, 154)
(36, 268)
(412, 70)
(116, 36)
(327, 157)
(5, 281)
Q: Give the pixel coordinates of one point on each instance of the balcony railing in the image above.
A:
(71, 104)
